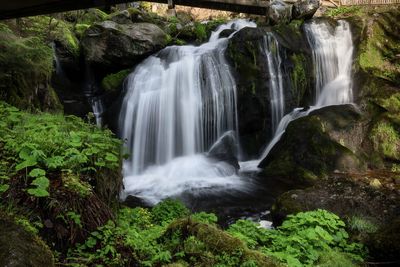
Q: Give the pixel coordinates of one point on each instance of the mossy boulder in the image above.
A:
(118, 46)
(21, 248)
(208, 245)
(314, 146)
(113, 82)
(26, 65)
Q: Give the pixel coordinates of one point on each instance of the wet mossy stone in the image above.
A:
(316, 145)
(20, 248)
(216, 242)
(250, 69)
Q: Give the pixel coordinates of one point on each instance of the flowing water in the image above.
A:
(182, 99)
(332, 51)
(276, 90)
(178, 103)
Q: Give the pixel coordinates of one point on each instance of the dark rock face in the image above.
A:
(20, 248)
(119, 46)
(226, 149)
(305, 9)
(247, 56)
(316, 145)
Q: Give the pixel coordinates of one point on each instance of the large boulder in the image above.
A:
(314, 146)
(226, 149)
(279, 12)
(118, 46)
(21, 248)
(305, 9)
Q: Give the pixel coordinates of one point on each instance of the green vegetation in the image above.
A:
(113, 81)
(165, 235)
(26, 65)
(36, 145)
(49, 29)
(343, 10)
(302, 239)
(386, 140)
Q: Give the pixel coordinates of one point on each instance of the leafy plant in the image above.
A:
(302, 238)
(168, 210)
(37, 145)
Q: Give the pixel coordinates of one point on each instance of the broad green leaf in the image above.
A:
(42, 182)
(111, 157)
(4, 188)
(37, 172)
(27, 163)
(38, 192)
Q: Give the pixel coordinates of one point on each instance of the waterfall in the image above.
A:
(332, 58)
(178, 103)
(271, 48)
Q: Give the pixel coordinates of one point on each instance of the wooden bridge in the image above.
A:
(22, 8)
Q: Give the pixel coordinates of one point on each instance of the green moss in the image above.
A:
(113, 81)
(80, 29)
(334, 258)
(380, 46)
(26, 66)
(343, 10)
(386, 140)
(299, 77)
(49, 29)
(75, 184)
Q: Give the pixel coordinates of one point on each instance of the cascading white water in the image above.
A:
(332, 58)
(276, 91)
(178, 103)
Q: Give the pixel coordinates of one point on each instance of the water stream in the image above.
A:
(180, 101)
(332, 58)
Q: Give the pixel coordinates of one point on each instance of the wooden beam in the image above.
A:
(21, 8)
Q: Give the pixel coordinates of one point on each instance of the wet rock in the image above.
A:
(226, 33)
(118, 46)
(279, 12)
(226, 149)
(250, 68)
(20, 248)
(305, 9)
(122, 17)
(133, 202)
(316, 145)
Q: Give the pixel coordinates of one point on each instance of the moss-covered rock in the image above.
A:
(21, 248)
(208, 245)
(246, 52)
(316, 145)
(114, 81)
(26, 65)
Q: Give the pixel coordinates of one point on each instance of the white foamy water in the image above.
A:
(178, 103)
(332, 57)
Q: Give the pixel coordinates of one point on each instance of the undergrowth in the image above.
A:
(36, 146)
(169, 234)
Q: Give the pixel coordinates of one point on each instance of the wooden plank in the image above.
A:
(20, 8)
